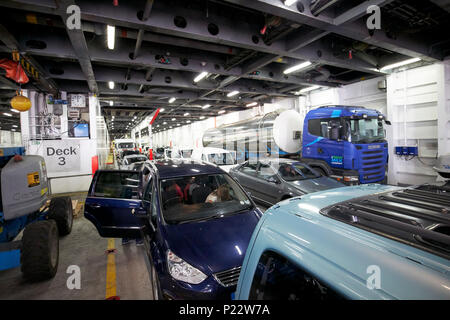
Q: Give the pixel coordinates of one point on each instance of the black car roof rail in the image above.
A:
(403, 216)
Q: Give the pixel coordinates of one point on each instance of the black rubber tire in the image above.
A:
(157, 293)
(62, 212)
(40, 250)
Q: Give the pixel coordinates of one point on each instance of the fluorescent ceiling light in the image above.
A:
(233, 93)
(178, 124)
(206, 106)
(252, 104)
(14, 126)
(400, 64)
(189, 121)
(297, 67)
(186, 114)
(202, 117)
(7, 114)
(157, 126)
(172, 99)
(14, 110)
(111, 34)
(289, 2)
(308, 89)
(161, 110)
(111, 103)
(200, 76)
(221, 111)
(111, 84)
(164, 122)
(173, 119)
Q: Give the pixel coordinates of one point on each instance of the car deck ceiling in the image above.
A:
(245, 46)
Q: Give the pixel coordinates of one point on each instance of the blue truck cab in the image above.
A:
(347, 143)
(370, 241)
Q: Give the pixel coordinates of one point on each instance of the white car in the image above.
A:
(225, 159)
(132, 158)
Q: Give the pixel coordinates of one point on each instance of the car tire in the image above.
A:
(156, 288)
(62, 212)
(40, 250)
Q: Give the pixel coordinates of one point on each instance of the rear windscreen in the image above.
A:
(122, 185)
(126, 145)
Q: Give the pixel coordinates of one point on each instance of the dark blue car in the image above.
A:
(196, 222)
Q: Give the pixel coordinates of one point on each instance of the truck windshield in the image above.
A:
(199, 198)
(365, 130)
(221, 158)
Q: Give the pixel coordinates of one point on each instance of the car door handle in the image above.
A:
(95, 205)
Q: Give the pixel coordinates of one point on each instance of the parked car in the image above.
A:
(130, 159)
(361, 242)
(196, 222)
(272, 180)
(225, 159)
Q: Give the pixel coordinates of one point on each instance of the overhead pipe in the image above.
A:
(318, 6)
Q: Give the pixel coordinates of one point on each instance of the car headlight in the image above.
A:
(183, 271)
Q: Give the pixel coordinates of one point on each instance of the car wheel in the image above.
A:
(156, 289)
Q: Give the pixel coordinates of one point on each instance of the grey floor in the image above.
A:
(86, 249)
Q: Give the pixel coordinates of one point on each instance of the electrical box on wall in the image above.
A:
(406, 151)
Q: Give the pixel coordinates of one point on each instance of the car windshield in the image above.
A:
(203, 197)
(126, 145)
(122, 185)
(221, 158)
(296, 172)
(365, 130)
(136, 159)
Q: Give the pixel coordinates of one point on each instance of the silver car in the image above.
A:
(271, 180)
(129, 160)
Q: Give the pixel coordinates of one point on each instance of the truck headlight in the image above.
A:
(183, 271)
(351, 179)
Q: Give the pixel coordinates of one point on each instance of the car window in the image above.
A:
(265, 171)
(201, 197)
(154, 205)
(122, 185)
(276, 278)
(221, 158)
(149, 188)
(296, 172)
(248, 168)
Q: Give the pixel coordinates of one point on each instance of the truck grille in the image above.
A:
(228, 277)
(372, 166)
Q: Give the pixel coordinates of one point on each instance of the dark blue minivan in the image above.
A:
(196, 222)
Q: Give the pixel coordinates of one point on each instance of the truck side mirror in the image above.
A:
(334, 133)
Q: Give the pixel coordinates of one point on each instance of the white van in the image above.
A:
(225, 159)
(123, 145)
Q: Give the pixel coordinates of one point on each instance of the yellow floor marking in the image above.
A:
(111, 271)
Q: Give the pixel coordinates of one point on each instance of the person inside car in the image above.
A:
(220, 195)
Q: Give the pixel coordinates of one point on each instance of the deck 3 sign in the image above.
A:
(62, 156)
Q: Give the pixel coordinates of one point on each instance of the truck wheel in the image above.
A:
(62, 212)
(40, 250)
